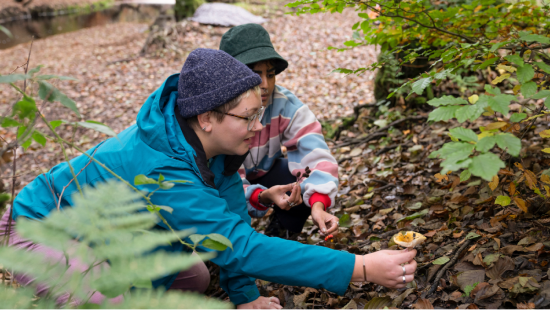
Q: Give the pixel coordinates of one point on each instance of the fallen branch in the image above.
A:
(439, 274)
(356, 111)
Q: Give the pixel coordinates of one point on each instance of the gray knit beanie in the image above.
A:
(210, 78)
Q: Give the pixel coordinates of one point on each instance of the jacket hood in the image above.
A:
(162, 128)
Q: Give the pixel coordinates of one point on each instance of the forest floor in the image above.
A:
(477, 255)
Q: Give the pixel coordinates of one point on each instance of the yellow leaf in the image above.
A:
(484, 134)
(507, 68)
(530, 179)
(495, 125)
(547, 188)
(520, 203)
(545, 178)
(516, 89)
(489, 112)
(453, 138)
(500, 78)
(546, 150)
(494, 183)
(477, 8)
(545, 133)
(473, 99)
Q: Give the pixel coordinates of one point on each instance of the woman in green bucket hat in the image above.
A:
(287, 122)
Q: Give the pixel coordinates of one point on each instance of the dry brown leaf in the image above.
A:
(526, 306)
(545, 178)
(502, 265)
(439, 178)
(512, 189)
(494, 183)
(459, 234)
(506, 171)
(520, 203)
(520, 166)
(530, 179)
(423, 303)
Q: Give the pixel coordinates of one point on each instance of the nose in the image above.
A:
(264, 85)
(257, 126)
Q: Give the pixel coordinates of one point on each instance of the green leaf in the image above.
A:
(485, 144)
(464, 134)
(33, 71)
(518, 117)
(10, 122)
(495, 91)
(441, 261)
(48, 92)
(515, 59)
(38, 137)
(542, 94)
(172, 299)
(502, 200)
(501, 103)
(543, 66)
(509, 142)
(196, 238)
(465, 175)
(97, 126)
(220, 239)
(143, 283)
(141, 179)
(446, 100)
(443, 113)
(525, 73)
(454, 150)
(528, 89)
(25, 108)
(487, 63)
(419, 86)
(486, 166)
(535, 38)
(498, 45)
(166, 185)
(59, 77)
(214, 245)
(474, 111)
(55, 124)
(472, 235)
(12, 78)
(344, 220)
(414, 215)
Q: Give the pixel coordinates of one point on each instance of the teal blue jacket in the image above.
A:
(161, 142)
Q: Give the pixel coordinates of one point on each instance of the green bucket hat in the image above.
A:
(250, 43)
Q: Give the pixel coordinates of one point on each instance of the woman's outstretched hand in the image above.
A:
(262, 303)
(386, 268)
(277, 195)
(326, 222)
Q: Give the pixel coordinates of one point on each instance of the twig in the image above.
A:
(370, 137)
(7, 231)
(447, 266)
(27, 66)
(66, 186)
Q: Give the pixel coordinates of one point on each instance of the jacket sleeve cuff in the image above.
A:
(250, 197)
(245, 297)
(323, 198)
(254, 200)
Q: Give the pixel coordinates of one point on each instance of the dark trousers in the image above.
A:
(295, 218)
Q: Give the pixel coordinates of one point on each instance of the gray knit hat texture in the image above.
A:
(210, 78)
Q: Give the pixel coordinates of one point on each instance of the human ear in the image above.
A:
(205, 121)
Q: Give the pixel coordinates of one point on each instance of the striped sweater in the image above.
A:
(287, 121)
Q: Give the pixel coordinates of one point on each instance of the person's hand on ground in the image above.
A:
(277, 195)
(386, 268)
(326, 222)
(262, 303)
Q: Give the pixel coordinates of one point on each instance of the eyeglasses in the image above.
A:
(251, 119)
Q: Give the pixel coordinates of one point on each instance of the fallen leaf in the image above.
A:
(423, 303)
(530, 179)
(521, 204)
(494, 183)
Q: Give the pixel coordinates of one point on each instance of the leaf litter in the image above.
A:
(487, 242)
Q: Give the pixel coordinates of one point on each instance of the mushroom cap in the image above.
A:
(409, 239)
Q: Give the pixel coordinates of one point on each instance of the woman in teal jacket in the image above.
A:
(183, 132)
